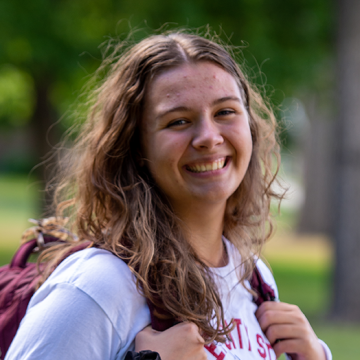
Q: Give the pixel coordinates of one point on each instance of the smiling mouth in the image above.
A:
(204, 167)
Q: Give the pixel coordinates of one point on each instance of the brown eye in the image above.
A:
(177, 123)
(225, 112)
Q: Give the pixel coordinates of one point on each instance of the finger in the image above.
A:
(282, 318)
(273, 305)
(291, 315)
(190, 331)
(283, 332)
(292, 346)
(149, 329)
(195, 331)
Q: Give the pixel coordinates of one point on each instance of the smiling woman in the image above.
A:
(170, 179)
(196, 140)
(195, 136)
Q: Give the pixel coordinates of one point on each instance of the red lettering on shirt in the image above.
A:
(211, 348)
(260, 342)
(230, 341)
(269, 347)
(247, 333)
(238, 323)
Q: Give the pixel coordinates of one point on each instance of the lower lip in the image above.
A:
(210, 173)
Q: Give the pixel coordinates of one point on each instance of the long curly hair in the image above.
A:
(113, 201)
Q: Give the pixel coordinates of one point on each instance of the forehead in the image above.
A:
(191, 82)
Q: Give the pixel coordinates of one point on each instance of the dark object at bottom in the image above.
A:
(142, 355)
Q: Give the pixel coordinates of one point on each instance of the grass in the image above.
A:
(302, 266)
(18, 203)
(308, 288)
(311, 290)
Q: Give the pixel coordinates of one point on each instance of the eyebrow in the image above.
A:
(226, 98)
(184, 108)
(175, 109)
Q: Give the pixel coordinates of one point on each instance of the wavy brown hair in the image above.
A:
(114, 202)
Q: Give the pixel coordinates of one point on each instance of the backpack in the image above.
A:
(19, 279)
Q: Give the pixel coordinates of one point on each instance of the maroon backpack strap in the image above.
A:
(17, 285)
(263, 291)
(22, 255)
(159, 323)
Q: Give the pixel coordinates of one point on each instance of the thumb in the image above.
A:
(149, 330)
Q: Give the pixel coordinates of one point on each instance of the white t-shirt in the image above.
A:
(89, 309)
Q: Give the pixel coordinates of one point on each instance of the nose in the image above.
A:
(207, 134)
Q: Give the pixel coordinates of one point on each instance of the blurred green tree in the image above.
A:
(346, 228)
(53, 46)
(42, 41)
(291, 41)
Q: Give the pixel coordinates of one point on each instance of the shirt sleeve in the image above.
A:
(326, 350)
(66, 324)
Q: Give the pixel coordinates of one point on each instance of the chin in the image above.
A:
(216, 197)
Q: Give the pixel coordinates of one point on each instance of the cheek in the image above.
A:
(243, 140)
(249, 145)
(163, 156)
(169, 146)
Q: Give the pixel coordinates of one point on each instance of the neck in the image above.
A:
(203, 226)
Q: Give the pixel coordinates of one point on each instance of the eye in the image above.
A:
(225, 112)
(177, 122)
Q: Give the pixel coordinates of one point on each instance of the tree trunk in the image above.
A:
(347, 208)
(317, 210)
(44, 136)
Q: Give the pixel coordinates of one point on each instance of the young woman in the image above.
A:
(170, 179)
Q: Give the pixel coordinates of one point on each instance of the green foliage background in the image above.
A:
(57, 42)
(48, 49)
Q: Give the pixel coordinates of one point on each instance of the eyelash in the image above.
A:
(227, 111)
(219, 113)
(176, 122)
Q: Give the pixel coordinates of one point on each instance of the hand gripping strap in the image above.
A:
(158, 323)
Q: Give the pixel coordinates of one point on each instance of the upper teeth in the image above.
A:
(215, 165)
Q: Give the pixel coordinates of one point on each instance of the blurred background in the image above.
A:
(305, 58)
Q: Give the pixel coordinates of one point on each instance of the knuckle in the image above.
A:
(268, 318)
(140, 336)
(192, 328)
(266, 305)
(279, 348)
(295, 308)
(271, 334)
(299, 315)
